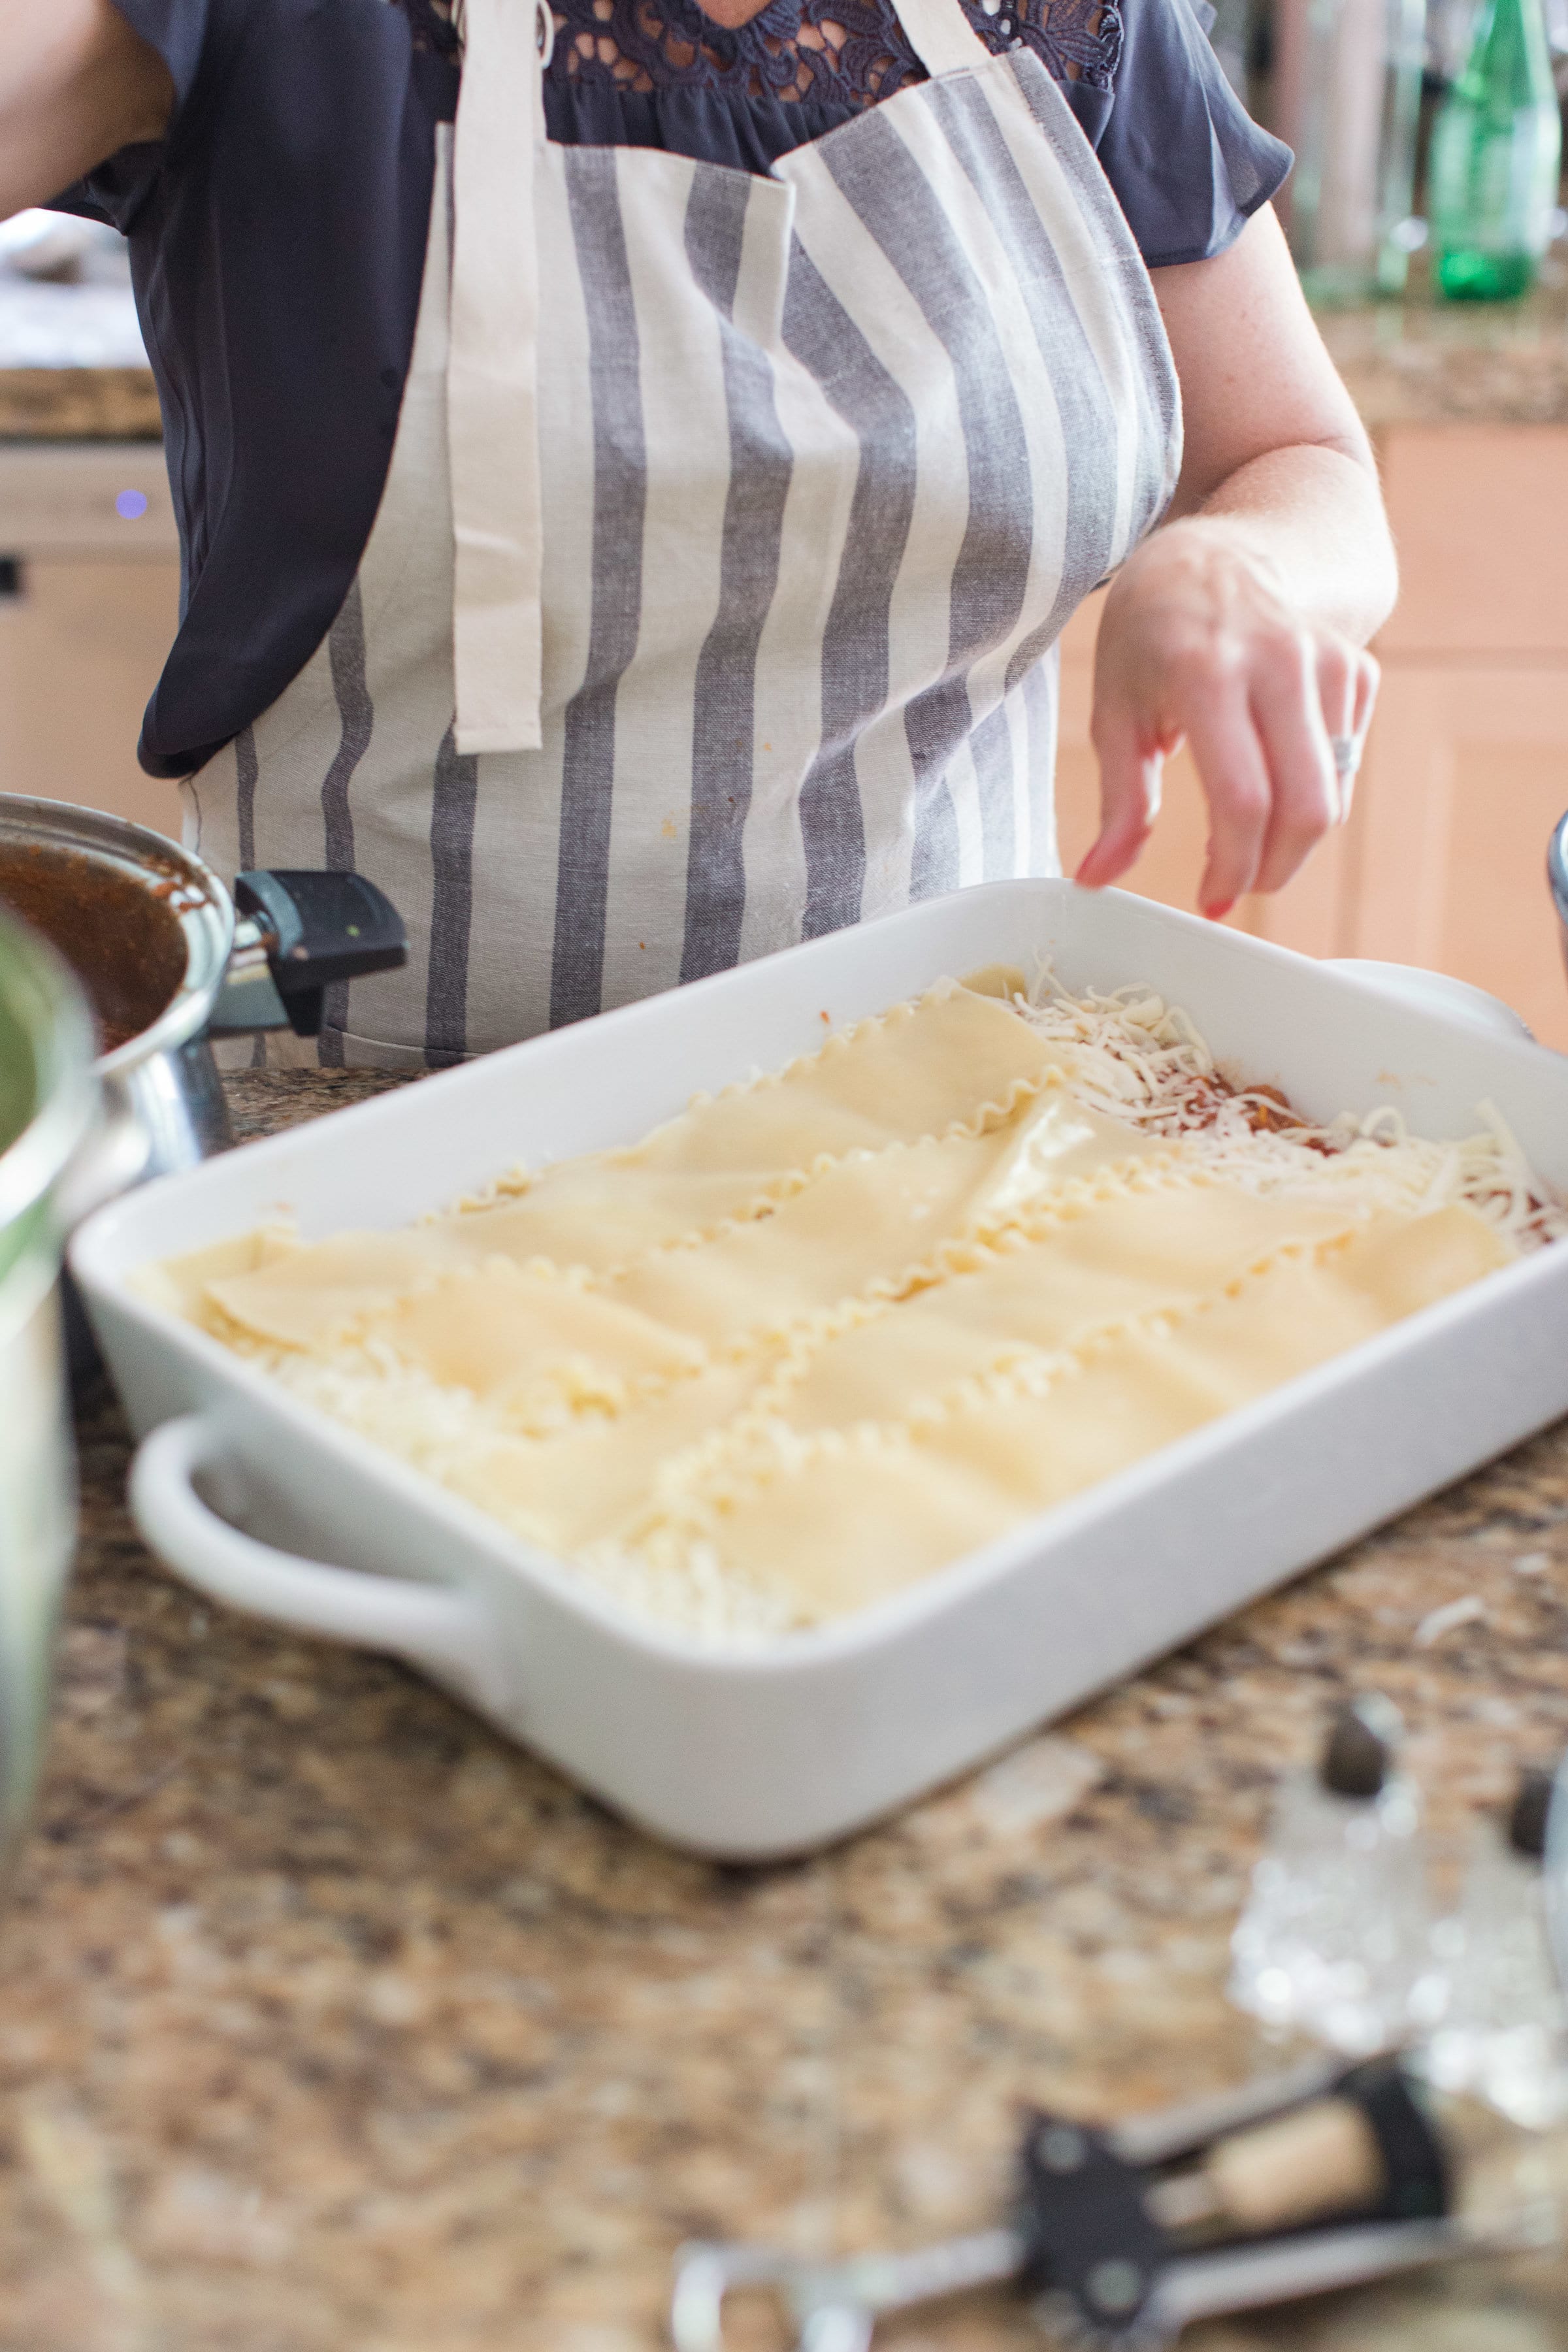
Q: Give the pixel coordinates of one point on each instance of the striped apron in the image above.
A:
(823, 463)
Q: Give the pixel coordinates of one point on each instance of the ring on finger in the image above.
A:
(1346, 752)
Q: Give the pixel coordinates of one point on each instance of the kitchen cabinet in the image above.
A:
(1466, 767)
(1471, 775)
(89, 588)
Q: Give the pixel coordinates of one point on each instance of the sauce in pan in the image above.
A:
(121, 938)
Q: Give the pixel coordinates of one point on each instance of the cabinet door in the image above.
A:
(1312, 913)
(1469, 774)
(81, 645)
(1477, 511)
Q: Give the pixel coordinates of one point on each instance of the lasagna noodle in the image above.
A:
(853, 1522)
(534, 1342)
(954, 1065)
(952, 1054)
(1124, 1256)
(603, 1478)
(610, 1478)
(863, 1220)
(952, 1062)
(876, 1224)
(531, 1346)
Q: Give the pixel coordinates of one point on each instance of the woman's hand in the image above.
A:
(1238, 626)
(1199, 642)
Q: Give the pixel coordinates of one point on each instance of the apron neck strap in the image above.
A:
(492, 379)
(942, 36)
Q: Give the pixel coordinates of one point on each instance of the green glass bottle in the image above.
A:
(1496, 147)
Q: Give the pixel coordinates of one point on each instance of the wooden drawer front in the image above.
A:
(1479, 514)
(60, 500)
(80, 648)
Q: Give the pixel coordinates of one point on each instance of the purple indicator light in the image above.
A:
(131, 505)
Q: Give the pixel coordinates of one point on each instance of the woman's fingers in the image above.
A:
(1129, 777)
(1234, 770)
(1268, 762)
(1368, 678)
(1199, 644)
(1304, 792)
(1339, 686)
(1338, 693)
(1347, 691)
(1256, 734)
(1348, 680)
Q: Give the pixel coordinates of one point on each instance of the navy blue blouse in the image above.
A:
(278, 239)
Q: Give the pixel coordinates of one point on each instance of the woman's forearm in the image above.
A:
(1314, 516)
(76, 85)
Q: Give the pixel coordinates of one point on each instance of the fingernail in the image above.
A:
(1219, 910)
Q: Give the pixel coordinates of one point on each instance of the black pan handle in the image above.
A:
(312, 929)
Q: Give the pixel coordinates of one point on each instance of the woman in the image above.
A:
(634, 460)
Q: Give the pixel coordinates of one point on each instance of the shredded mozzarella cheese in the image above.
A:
(1133, 1057)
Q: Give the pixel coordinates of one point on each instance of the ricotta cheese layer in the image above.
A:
(826, 1332)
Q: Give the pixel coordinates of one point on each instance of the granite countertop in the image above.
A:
(73, 365)
(79, 404)
(332, 2022)
(1422, 361)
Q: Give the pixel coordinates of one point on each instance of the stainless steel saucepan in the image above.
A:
(171, 960)
(130, 957)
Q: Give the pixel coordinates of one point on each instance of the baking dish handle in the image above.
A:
(432, 1625)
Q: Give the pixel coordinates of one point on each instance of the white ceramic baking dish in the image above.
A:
(773, 1752)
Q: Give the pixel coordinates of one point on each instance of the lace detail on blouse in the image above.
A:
(844, 52)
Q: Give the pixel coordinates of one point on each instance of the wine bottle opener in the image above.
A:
(1124, 2236)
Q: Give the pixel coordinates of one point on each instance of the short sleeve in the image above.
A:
(188, 35)
(1188, 163)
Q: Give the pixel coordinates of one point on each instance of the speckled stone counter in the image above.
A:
(1422, 361)
(79, 404)
(330, 2022)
